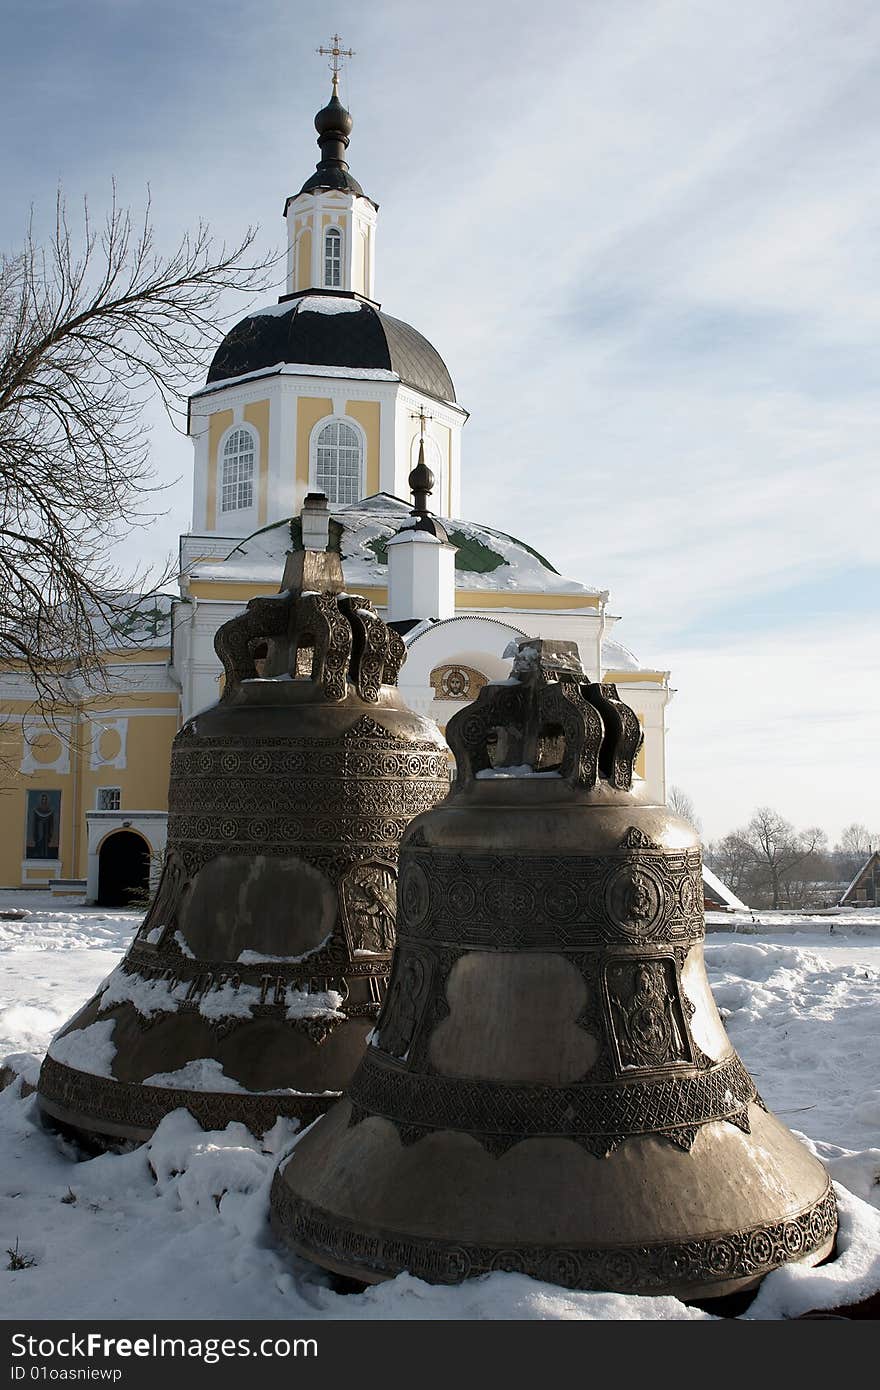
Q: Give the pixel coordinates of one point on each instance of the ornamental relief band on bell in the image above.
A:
(645, 1268)
(598, 1118)
(301, 795)
(131, 1103)
(544, 901)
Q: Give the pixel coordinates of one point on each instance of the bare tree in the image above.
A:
(856, 840)
(777, 848)
(732, 860)
(681, 804)
(852, 850)
(90, 327)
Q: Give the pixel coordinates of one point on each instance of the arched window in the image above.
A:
(333, 258)
(237, 488)
(338, 462)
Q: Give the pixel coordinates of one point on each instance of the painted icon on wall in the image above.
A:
(43, 824)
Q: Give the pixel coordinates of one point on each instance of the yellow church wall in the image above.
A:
(240, 593)
(217, 424)
(13, 805)
(143, 781)
(304, 259)
(228, 593)
(141, 656)
(491, 598)
(309, 410)
(257, 414)
(367, 414)
(378, 594)
(631, 677)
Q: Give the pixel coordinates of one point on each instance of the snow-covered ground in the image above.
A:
(178, 1228)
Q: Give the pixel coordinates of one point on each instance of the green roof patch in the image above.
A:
(537, 554)
(473, 556)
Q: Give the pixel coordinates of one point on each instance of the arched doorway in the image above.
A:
(123, 868)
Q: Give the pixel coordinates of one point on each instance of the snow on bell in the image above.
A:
(550, 1088)
(259, 970)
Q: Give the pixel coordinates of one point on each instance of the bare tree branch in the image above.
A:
(91, 326)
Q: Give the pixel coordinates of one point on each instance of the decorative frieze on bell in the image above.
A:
(550, 1088)
(259, 970)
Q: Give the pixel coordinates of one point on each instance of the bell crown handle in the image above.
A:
(330, 637)
(546, 719)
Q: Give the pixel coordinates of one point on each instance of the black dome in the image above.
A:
(323, 329)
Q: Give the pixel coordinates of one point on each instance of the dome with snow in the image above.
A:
(485, 558)
(331, 329)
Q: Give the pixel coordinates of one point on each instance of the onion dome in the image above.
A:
(335, 329)
(333, 124)
(421, 482)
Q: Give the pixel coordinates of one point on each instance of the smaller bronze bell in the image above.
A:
(251, 986)
(550, 1088)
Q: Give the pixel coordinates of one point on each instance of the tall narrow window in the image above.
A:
(333, 258)
(237, 490)
(338, 462)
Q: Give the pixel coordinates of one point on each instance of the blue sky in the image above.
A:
(643, 234)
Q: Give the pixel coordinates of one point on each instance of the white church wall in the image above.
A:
(583, 628)
(650, 705)
(200, 668)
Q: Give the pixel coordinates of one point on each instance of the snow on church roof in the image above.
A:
(127, 622)
(616, 657)
(486, 559)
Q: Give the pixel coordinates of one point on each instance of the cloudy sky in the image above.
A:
(645, 235)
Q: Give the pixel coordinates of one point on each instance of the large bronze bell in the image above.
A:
(259, 970)
(550, 1088)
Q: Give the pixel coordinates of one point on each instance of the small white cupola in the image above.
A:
(421, 557)
(331, 223)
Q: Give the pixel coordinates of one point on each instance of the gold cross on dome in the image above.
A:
(422, 418)
(335, 52)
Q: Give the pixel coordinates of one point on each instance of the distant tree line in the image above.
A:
(770, 863)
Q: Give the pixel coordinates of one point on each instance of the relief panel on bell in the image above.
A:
(165, 910)
(646, 1015)
(404, 1004)
(514, 1017)
(232, 913)
(368, 904)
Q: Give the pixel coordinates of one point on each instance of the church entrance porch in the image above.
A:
(105, 830)
(123, 868)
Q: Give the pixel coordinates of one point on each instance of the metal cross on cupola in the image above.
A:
(335, 53)
(422, 419)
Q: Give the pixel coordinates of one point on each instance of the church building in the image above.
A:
(315, 412)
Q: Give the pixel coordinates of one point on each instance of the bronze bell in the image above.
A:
(550, 1088)
(259, 970)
